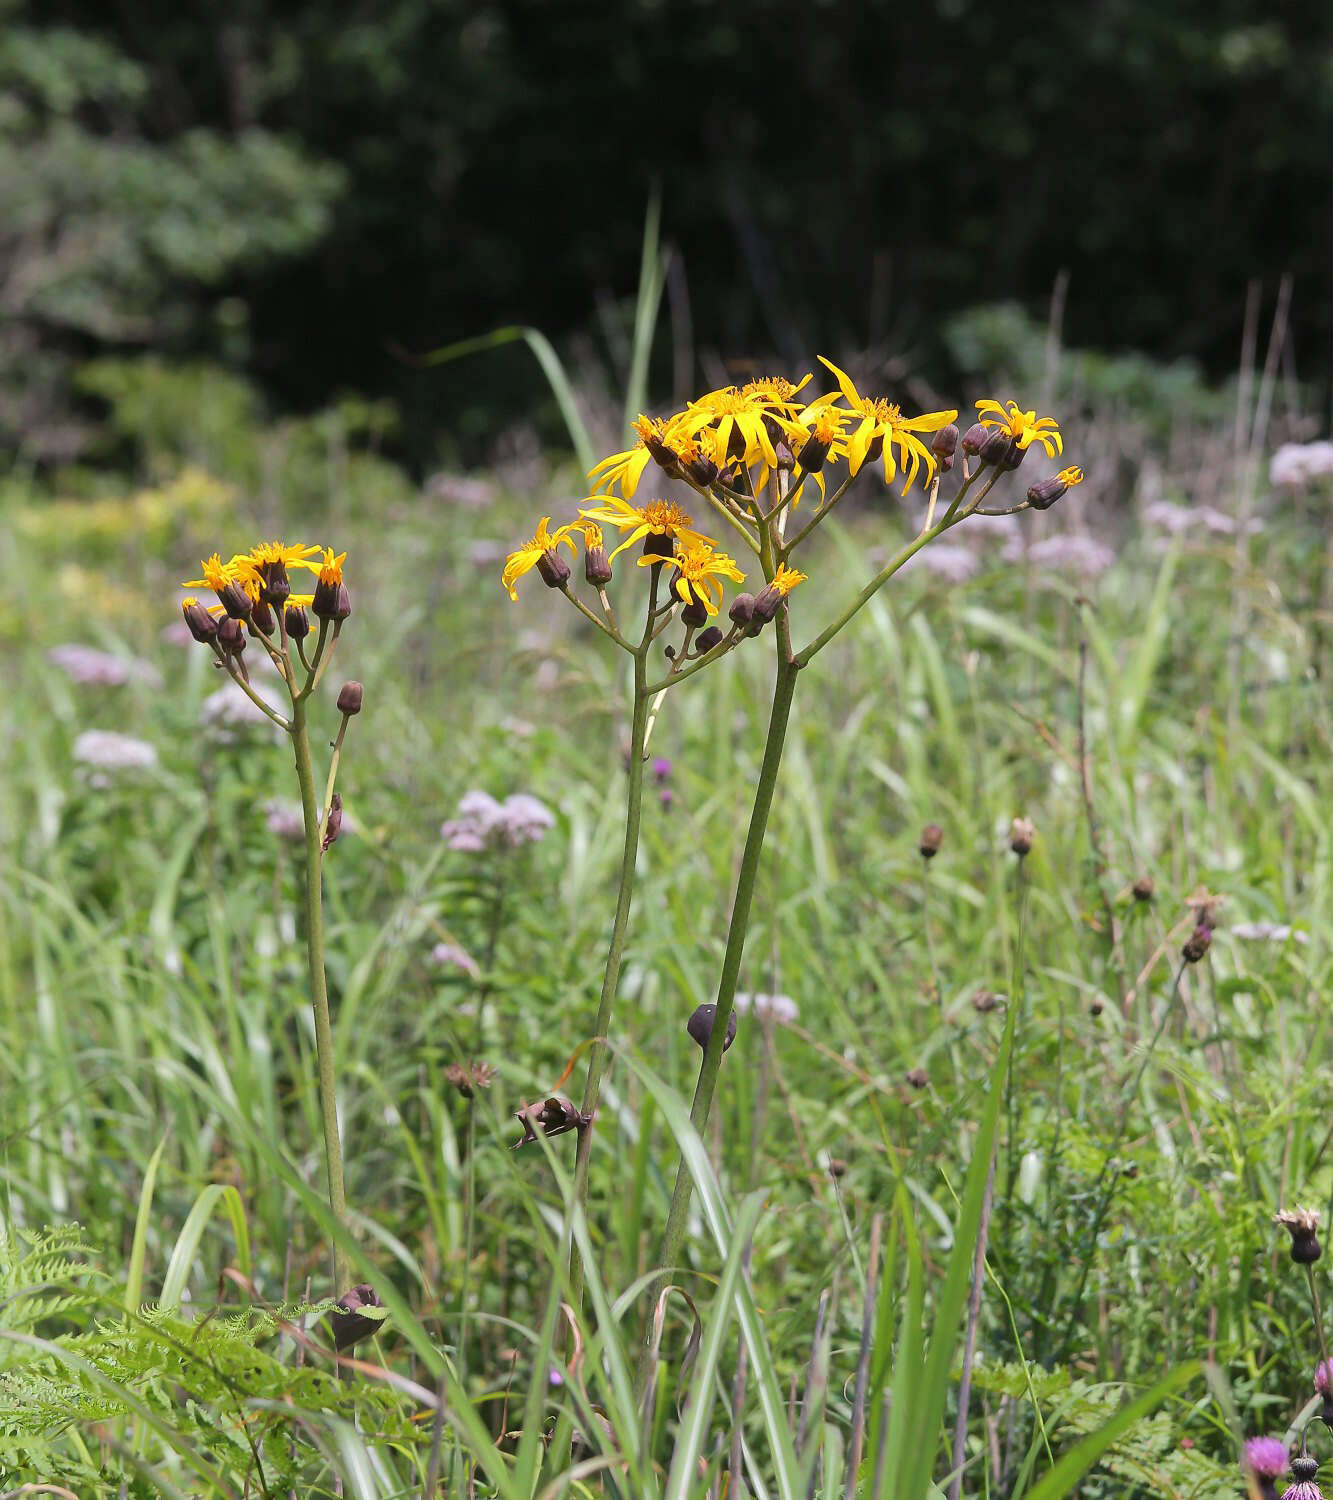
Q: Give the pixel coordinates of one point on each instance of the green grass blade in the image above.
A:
(652, 278)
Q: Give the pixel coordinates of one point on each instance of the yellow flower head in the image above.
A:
(592, 534)
(786, 579)
(1025, 427)
(883, 427)
(289, 554)
(330, 569)
(699, 573)
(1071, 476)
(739, 420)
(218, 574)
(525, 558)
(656, 441)
(776, 391)
(656, 518)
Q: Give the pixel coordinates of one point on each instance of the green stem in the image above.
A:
(674, 1235)
(319, 994)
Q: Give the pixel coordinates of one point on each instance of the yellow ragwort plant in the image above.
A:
(255, 602)
(751, 454)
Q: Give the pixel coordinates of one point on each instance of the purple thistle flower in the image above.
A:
(1266, 1456)
(661, 768)
(1305, 1468)
(1307, 1489)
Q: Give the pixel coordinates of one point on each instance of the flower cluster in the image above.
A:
(485, 823)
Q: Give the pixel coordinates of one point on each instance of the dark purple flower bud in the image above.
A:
(1303, 1227)
(203, 627)
(742, 609)
(709, 638)
(974, 437)
(944, 442)
(231, 636)
(932, 836)
(358, 1314)
(235, 600)
(262, 620)
(1197, 944)
(999, 449)
(298, 622)
(597, 567)
(554, 570)
(349, 699)
(700, 1026)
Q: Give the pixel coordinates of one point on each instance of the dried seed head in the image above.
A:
(349, 699)
(1197, 944)
(700, 1026)
(470, 1076)
(918, 1077)
(552, 1117)
(1302, 1224)
(358, 1314)
(1144, 888)
(932, 836)
(1021, 835)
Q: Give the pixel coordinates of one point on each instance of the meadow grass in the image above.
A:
(159, 1085)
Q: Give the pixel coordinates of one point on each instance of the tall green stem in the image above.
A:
(783, 692)
(319, 994)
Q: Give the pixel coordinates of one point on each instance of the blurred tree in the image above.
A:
(832, 175)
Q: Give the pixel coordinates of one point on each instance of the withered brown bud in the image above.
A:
(1144, 888)
(349, 698)
(334, 824)
(742, 609)
(597, 567)
(231, 636)
(554, 570)
(918, 1078)
(974, 437)
(553, 1117)
(235, 600)
(357, 1316)
(700, 1026)
(331, 601)
(470, 1076)
(262, 620)
(1021, 835)
(709, 638)
(1303, 1227)
(1197, 944)
(944, 442)
(202, 626)
(932, 836)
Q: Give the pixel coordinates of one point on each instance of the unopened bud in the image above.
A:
(1144, 887)
(709, 638)
(262, 620)
(554, 570)
(786, 459)
(767, 602)
(700, 1026)
(1021, 834)
(695, 612)
(231, 636)
(944, 442)
(349, 699)
(235, 600)
(298, 622)
(358, 1314)
(975, 437)
(1197, 944)
(932, 836)
(202, 626)
(742, 609)
(597, 567)
(998, 449)
(918, 1078)
(274, 585)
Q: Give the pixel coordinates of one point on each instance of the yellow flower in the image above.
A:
(656, 441)
(527, 557)
(786, 579)
(699, 574)
(734, 414)
(289, 554)
(883, 426)
(218, 574)
(776, 391)
(1025, 427)
(330, 569)
(1071, 476)
(657, 518)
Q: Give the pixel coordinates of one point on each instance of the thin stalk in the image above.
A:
(784, 690)
(333, 769)
(319, 994)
